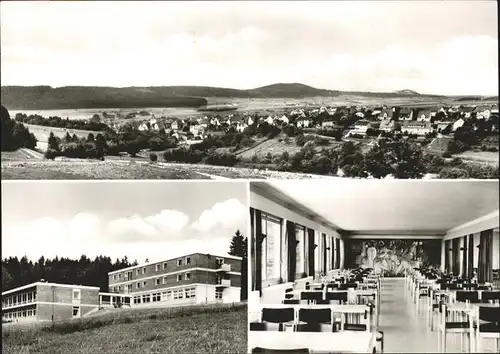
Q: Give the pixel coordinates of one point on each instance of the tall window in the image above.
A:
(271, 247)
(300, 235)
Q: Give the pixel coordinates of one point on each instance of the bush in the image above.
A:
(300, 140)
(51, 154)
(446, 155)
(453, 173)
(153, 157)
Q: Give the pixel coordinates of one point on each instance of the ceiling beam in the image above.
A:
(486, 222)
(269, 192)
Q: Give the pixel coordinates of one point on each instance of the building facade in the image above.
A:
(44, 301)
(192, 279)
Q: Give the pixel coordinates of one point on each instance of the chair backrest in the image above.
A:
(490, 314)
(315, 315)
(469, 286)
(332, 286)
(467, 296)
(283, 351)
(486, 296)
(348, 286)
(278, 315)
(340, 296)
(311, 295)
(291, 302)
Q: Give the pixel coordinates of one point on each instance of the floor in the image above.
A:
(404, 331)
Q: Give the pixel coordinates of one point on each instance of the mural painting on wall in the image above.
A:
(393, 257)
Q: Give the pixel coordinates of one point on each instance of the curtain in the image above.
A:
(323, 242)
(310, 252)
(470, 258)
(337, 250)
(485, 265)
(258, 250)
(292, 250)
(252, 249)
(456, 256)
(447, 260)
(464, 256)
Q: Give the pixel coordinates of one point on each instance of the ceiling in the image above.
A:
(393, 207)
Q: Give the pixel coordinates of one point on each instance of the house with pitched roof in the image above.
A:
(417, 127)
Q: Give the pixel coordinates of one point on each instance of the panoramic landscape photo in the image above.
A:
(259, 90)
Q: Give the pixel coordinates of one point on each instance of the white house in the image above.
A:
(360, 127)
(143, 126)
(303, 122)
(424, 116)
(250, 121)
(417, 127)
(284, 119)
(483, 114)
(460, 122)
(215, 121)
(269, 120)
(387, 125)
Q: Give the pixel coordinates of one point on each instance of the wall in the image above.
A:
(392, 256)
(273, 207)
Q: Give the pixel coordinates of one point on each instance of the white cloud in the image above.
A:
(224, 215)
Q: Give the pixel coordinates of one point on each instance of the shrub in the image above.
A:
(453, 173)
(446, 154)
(153, 157)
(51, 154)
(300, 140)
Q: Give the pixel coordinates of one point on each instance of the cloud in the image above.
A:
(224, 215)
(166, 224)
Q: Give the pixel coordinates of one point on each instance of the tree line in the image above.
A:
(15, 135)
(84, 271)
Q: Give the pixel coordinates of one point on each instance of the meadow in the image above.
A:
(194, 329)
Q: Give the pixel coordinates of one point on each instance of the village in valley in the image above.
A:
(454, 140)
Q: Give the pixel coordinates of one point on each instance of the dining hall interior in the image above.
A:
(351, 266)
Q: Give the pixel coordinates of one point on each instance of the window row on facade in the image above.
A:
(19, 299)
(144, 283)
(19, 314)
(143, 270)
(283, 250)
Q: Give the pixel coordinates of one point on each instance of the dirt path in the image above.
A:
(32, 153)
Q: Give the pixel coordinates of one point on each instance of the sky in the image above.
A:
(140, 220)
(440, 47)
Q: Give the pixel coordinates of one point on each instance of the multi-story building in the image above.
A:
(49, 301)
(417, 127)
(192, 279)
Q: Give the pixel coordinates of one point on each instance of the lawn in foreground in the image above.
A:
(92, 170)
(168, 330)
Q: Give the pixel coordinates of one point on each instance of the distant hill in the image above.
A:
(290, 91)
(407, 92)
(72, 97)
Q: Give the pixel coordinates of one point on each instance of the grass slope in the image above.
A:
(203, 329)
(91, 169)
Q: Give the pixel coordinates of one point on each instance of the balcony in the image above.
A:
(224, 268)
(223, 283)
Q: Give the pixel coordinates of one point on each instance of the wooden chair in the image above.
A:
(490, 328)
(315, 320)
(452, 323)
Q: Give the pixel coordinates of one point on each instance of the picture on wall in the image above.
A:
(392, 257)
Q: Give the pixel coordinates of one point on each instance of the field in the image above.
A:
(262, 105)
(201, 329)
(136, 169)
(73, 169)
(480, 156)
(42, 133)
(19, 155)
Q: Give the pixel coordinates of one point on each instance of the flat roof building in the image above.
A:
(49, 301)
(192, 279)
